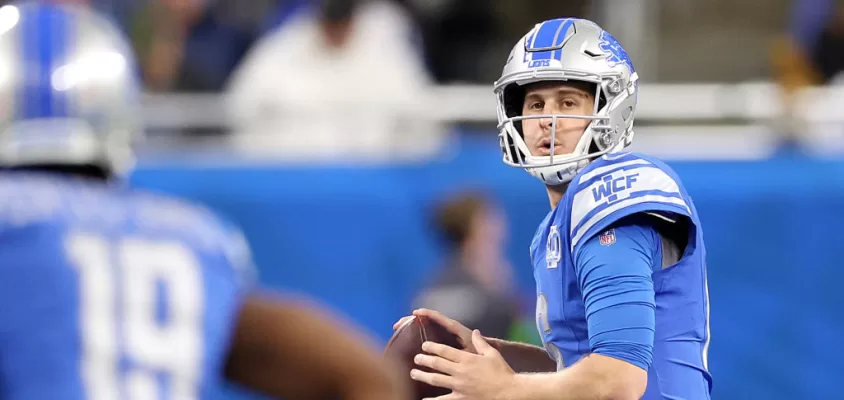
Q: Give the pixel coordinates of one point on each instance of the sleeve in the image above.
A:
(610, 193)
(614, 274)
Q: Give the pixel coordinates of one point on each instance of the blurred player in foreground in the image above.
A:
(622, 303)
(111, 293)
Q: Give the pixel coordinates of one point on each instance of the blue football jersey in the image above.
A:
(112, 293)
(611, 188)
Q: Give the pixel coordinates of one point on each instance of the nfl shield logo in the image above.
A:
(608, 237)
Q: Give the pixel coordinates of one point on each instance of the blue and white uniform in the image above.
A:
(603, 283)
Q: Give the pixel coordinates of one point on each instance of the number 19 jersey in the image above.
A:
(110, 293)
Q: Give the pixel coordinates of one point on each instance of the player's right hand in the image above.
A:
(464, 334)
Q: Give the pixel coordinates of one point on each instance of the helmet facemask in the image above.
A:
(607, 132)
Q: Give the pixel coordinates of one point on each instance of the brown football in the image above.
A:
(406, 343)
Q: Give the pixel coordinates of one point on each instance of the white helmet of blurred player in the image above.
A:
(573, 50)
(69, 94)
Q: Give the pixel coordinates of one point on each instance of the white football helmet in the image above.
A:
(69, 93)
(568, 49)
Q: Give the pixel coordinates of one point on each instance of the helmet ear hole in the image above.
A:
(514, 97)
(513, 100)
(627, 113)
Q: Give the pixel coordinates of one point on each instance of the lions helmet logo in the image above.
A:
(617, 54)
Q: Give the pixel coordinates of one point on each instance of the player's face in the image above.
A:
(556, 98)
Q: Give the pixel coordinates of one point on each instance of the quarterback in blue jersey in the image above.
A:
(112, 293)
(619, 262)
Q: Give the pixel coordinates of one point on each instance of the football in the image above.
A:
(406, 343)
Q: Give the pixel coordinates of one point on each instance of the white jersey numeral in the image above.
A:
(123, 319)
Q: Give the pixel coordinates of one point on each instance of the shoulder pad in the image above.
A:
(617, 188)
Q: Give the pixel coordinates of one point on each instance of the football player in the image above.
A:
(111, 293)
(619, 261)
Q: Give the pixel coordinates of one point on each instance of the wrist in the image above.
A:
(533, 386)
(515, 389)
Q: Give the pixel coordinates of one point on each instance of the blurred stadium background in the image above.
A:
(342, 137)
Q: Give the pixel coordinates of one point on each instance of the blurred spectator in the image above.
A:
(476, 286)
(285, 10)
(811, 53)
(341, 80)
(168, 24)
(193, 45)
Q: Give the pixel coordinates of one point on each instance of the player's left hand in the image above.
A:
(482, 376)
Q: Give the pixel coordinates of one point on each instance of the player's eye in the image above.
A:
(569, 103)
(537, 105)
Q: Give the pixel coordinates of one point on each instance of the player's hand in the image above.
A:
(464, 334)
(482, 376)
